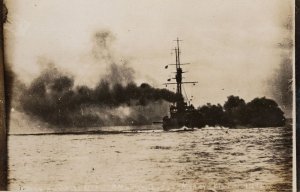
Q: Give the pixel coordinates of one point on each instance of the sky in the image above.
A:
(232, 45)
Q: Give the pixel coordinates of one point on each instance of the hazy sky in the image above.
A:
(232, 45)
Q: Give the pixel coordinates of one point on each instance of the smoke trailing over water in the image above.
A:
(53, 98)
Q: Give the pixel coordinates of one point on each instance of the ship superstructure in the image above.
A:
(181, 110)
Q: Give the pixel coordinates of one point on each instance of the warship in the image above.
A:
(181, 112)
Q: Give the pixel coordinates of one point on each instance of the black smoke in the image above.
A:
(53, 98)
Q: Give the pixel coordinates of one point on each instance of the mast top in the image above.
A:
(178, 40)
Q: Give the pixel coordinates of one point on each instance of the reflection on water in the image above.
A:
(201, 160)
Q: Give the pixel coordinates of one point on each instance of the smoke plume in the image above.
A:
(53, 98)
(116, 100)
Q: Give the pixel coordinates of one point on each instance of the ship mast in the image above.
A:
(178, 69)
(179, 72)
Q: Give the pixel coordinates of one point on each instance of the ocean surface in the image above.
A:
(148, 159)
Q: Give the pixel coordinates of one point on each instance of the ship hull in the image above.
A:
(175, 123)
(169, 123)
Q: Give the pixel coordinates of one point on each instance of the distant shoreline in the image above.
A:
(101, 132)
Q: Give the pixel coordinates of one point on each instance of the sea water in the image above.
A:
(257, 159)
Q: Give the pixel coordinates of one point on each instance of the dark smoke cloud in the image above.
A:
(53, 98)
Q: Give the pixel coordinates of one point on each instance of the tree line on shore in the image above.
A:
(260, 112)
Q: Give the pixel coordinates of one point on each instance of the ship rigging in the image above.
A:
(180, 111)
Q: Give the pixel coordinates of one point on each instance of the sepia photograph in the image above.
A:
(130, 95)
